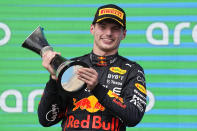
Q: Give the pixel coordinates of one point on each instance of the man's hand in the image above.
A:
(89, 76)
(46, 60)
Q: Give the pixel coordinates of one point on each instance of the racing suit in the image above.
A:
(117, 101)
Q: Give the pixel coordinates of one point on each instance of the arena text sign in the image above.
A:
(149, 33)
(165, 33)
(38, 92)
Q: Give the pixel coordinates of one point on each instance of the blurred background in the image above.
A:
(161, 37)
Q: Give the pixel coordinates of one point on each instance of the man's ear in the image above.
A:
(124, 34)
(92, 29)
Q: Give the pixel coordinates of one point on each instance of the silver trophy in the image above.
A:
(65, 69)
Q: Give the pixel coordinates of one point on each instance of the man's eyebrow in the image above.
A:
(102, 23)
(114, 26)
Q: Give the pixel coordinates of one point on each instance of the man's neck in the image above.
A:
(99, 60)
(104, 53)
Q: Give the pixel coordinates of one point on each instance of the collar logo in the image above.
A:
(101, 58)
(118, 70)
(111, 11)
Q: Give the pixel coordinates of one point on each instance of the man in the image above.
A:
(115, 96)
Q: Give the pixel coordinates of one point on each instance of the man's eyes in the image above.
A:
(113, 28)
(102, 26)
(116, 28)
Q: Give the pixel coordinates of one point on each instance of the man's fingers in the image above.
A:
(86, 77)
(46, 60)
(87, 71)
(89, 81)
(83, 79)
(48, 56)
(89, 76)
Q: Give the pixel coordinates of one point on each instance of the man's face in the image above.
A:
(107, 36)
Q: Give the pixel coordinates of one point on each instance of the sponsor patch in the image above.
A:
(112, 94)
(53, 113)
(117, 90)
(90, 104)
(128, 65)
(94, 122)
(140, 72)
(115, 77)
(111, 11)
(114, 82)
(141, 88)
(139, 103)
(141, 79)
(118, 100)
(118, 70)
(139, 94)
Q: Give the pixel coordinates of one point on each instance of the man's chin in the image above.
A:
(107, 49)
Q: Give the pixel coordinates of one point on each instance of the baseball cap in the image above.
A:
(110, 11)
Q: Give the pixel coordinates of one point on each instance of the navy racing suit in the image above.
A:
(117, 101)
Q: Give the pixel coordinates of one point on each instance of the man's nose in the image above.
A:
(108, 32)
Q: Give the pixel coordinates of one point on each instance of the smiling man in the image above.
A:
(114, 98)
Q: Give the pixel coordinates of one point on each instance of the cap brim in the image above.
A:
(103, 18)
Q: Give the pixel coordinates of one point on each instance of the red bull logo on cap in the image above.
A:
(90, 104)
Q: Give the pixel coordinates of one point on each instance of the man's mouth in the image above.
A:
(107, 40)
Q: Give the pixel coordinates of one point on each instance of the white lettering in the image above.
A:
(19, 101)
(138, 102)
(139, 94)
(117, 90)
(194, 33)
(116, 77)
(141, 72)
(116, 82)
(52, 114)
(141, 79)
(151, 101)
(34, 93)
(177, 32)
(31, 97)
(165, 30)
(7, 31)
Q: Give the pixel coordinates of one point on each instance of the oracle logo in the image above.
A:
(165, 33)
(19, 100)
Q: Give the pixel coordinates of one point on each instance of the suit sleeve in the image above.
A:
(50, 109)
(131, 104)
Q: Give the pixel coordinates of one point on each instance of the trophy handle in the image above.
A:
(57, 61)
